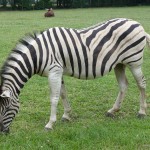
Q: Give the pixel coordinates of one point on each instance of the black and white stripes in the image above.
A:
(85, 54)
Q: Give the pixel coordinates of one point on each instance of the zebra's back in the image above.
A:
(95, 51)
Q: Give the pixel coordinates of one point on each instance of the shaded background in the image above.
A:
(42, 4)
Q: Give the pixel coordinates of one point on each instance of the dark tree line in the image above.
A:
(41, 4)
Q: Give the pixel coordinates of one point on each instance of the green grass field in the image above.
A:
(89, 129)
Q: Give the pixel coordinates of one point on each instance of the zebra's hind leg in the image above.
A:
(139, 77)
(123, 83)
(67, 108)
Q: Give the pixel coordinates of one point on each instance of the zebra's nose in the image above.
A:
(1, 124)
(3, 129)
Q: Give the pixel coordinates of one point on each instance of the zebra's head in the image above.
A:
(9, 107)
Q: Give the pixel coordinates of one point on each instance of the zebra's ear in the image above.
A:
(5, 94)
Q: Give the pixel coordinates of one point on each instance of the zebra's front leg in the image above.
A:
(55, 76)
(122, 82)
(67, 108)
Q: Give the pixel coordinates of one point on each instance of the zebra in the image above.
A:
(81, 53)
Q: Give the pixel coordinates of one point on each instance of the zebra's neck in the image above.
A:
(24, 61)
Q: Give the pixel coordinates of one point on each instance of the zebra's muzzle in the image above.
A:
(2, 128)
(5, 131)
(1, 124)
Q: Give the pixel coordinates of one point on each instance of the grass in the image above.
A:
(89, 128)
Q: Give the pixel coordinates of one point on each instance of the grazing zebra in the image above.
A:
(85, 54)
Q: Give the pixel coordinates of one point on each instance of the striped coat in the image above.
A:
(85, 54)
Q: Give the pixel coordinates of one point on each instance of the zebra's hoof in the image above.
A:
(141, 116)
(48, 129)
(65, 119)
(108, 114)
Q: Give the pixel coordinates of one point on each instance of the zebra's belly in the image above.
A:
(85, 74)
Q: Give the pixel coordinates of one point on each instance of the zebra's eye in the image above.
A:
(4, 105)
(7, 104)
(7, 107)
(0, 103)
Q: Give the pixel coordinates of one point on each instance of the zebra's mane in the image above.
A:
(23, 42)
(28, 38)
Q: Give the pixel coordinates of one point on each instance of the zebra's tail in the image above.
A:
(148, 39)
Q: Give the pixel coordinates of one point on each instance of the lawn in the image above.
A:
(89, 129)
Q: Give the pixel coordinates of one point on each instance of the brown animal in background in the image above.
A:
(50, 13)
